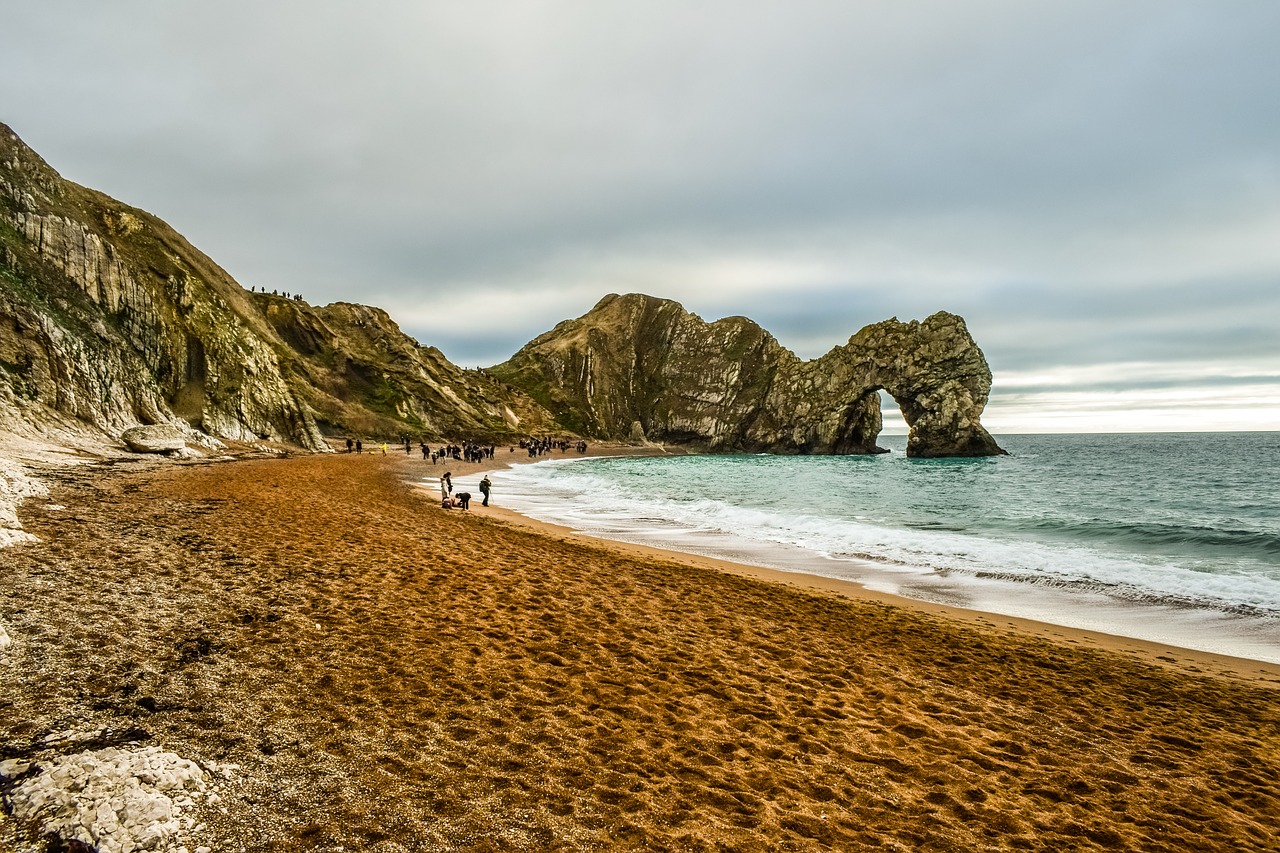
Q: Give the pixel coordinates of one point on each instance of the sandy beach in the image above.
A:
(388, 675)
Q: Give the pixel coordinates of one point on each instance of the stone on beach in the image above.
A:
(112, 799)
(153, 439)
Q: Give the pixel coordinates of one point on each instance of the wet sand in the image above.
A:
(394, 676)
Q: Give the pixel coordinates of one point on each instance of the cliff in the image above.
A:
(640, 367)
(109, 319)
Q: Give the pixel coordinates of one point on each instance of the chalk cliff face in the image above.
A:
(640, 367)
(110, 319)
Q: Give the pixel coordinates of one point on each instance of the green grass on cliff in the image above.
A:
(529, 380)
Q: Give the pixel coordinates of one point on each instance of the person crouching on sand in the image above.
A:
(464, 499)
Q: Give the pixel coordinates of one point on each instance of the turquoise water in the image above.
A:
(1129, 527)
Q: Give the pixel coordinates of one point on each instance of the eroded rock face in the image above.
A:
(932, 369)
(730, 386)
(110, 318)
(639, 360)
(120, 321)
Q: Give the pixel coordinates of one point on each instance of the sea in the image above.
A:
(1170, 537)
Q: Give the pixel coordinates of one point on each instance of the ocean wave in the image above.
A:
(589, 501)
(1165, 536)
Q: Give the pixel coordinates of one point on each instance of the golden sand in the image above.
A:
(394, 676)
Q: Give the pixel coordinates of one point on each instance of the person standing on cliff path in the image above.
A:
(485, 486)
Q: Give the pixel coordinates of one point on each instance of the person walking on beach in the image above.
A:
(350, 444)
(359, 446)
(485, 486)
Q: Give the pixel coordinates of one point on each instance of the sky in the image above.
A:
(1093, 186)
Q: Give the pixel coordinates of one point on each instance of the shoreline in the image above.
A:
(1164, 654)
(339, 664)
(1160, 654)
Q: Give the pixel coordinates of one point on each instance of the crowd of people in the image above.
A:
(539, 446)
(296, 297)
(472, 451)
(467, 451)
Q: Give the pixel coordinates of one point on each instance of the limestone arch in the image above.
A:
(932, 369)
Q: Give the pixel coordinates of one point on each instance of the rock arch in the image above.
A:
(729, 386)
(932, 369)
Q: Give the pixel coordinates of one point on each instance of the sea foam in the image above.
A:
(1155, 534)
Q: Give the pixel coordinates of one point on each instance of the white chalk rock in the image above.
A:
(12, 767)
(101, 798)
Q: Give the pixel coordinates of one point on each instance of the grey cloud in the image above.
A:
(1085, 182)
(1120, 384)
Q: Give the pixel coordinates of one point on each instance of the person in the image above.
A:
(447, 479)
(359, 446)
(464, 500)
(384, 448)
(350, 444)
(485, 486)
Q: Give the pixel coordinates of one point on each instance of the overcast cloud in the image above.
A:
(1094, 186)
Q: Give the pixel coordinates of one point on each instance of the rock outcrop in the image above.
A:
(153, 439)
(355, 367)
(637, 365)
(110, 319)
